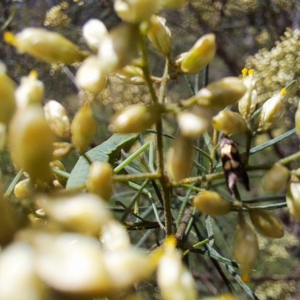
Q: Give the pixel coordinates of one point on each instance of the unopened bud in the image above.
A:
(131, 74)
(135, 11)
(90, 76)
(31, 142)
(23, 189)
(30, 91)
(245, 247)
(230, 122)
(135, 118)
(199, 56)
(193, 124)
(7, 98)
(212, 203)
(83, 128)
(118, 48)
(45, 45)
(99, 179)
(173, 278)
(84, 213)
(160, 35)
(297, 120)
(293, 200)
(180, 158)
(219, 94)
(61, 150)
(266, 223)
(57, 118)
(276, 178)
(56, 164)
(93, 32)
(270, 112)
(247, 103)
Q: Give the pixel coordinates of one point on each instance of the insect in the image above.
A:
(232, 164)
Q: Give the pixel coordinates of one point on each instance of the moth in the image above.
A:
(233, 166)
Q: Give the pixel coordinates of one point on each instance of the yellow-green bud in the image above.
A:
(99, 180)
(30, 91)
(3, 136)
(160, 35)
(23, 189)
(180, 158)
(135, 118)
(293, 200)
(135, 11)
(56, 164)
(45, 45)
(61, 150)
(297, 120)
(247, 103)
(194, 123)
(230, 122)
(266, 223)
(84, 213)
(57, 118)
(245, 247)
(270, 112)
(7, 98)
(31, 142)
(212, 203)
(276, 178)
(131, 74)
(219, 94)
(93, 32)
(118, 48)
(90, 76)
(199, 56)
(83, 128)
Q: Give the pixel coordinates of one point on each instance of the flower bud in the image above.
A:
(136, 118)
(114, 236)
(173, 278)
(23, 189)
(61, 150)
(135, 11)
(57, 118)
(270, 112)
(118, 48)
(172, 4)
(160, 35)
(245, 247)
(31, 142)
(180, 158)
(83, 128)
(293, 200)
(7, 98)
(93, 32)
(56, 164)
(90, 76)
(193, 124)
(229, 122)
(219, 94)
(71, 263)
(266, 223)
(99, 180)
(212, 203)
(18, 279)
(131, 74)
(276, 178)
(48, 46)
(31, 91)
(297, 120)
(125, 267)
(199, 56)
(247, 103)
(84, 213)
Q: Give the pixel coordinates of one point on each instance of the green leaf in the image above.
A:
(106, 152)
